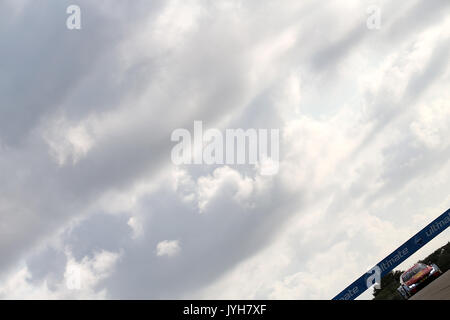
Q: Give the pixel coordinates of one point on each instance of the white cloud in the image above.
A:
(431, 127)
(82, 276)
(68, 142)
(224, 183)
(168, 248)
(78, 281)
(136, 225)
(363, 121)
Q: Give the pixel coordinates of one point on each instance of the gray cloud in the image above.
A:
(86, 118)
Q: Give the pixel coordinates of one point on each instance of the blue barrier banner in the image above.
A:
(396, 257)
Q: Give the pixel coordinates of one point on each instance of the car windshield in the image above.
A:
(413, 271)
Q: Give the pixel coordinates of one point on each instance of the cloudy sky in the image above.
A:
(91, 205)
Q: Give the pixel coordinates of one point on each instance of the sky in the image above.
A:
(93, 207)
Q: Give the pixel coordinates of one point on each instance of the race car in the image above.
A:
(416, 278)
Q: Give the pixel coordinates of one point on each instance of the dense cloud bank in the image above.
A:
(89, 191)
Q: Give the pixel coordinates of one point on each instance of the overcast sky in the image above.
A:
(87, 182)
